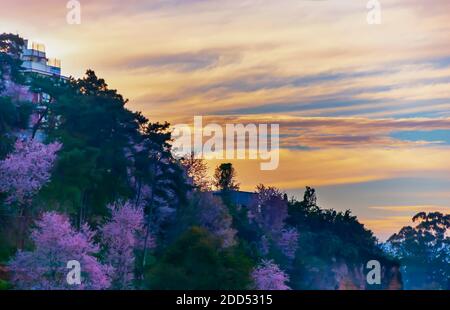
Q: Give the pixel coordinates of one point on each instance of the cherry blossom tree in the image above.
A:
(268, 276)
(56, 243)
(215, 217)
(22, 175)
(26, 170)
(269, 210)
(122, 236)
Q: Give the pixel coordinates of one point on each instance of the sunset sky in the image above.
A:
(364, 110)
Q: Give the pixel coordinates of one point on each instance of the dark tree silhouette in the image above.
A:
(225, 178)
(10, 64)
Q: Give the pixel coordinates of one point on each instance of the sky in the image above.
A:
(363, 109)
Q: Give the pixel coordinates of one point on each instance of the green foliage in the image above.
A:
(4, 285)
(6, 247)
(12, 116)
(72, 180)
(326, 237)
(10, 63)
(96, 130)
(344, 236)
(424, 251)
(196, 261)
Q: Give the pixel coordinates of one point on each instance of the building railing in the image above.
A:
(53, 62)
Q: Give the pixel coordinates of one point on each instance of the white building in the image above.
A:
(35, 60)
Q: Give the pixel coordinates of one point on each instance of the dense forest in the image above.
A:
(84, 178)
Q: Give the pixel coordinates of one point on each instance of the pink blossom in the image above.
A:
(57, 243)
(34, 119)
(269, 210)
(26, 170)
(268, 276)
(122, 236)
(214, 216)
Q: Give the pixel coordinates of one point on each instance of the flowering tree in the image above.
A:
(268, 276)
(121, 237)
(288, 242)
(26, 170)
(215, 217)
(57, 243)
(197, 172)
(269, 210)
(22, 175)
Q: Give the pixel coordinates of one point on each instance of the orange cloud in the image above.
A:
(334, 132)
(332, 82)
(261, 45)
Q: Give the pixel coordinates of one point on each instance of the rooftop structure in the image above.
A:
(237, 197)
(35, 60)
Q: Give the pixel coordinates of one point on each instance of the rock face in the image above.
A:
(355, 278)
(342, 276)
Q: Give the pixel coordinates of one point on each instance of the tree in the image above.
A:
(97, 131)
(56, 243)
(225, 178)
(197, 261)
(13, 116)
(197, 171)
(10, 64)
(288, 242)
(23, 174)
(424, 251)
(122, 235)
(42, 118)
(162, 178)
(119, 153)
(310, 199)
(325, 237)
(269, 276)
(269, 210)
(214, 216)
(25, 171)
(11, 44)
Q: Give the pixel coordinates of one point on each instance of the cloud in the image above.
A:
(332, 132)
(334, 166)
(224, 57)
(415, 208)
(253, 56)
(340, 89)
(179, 62)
